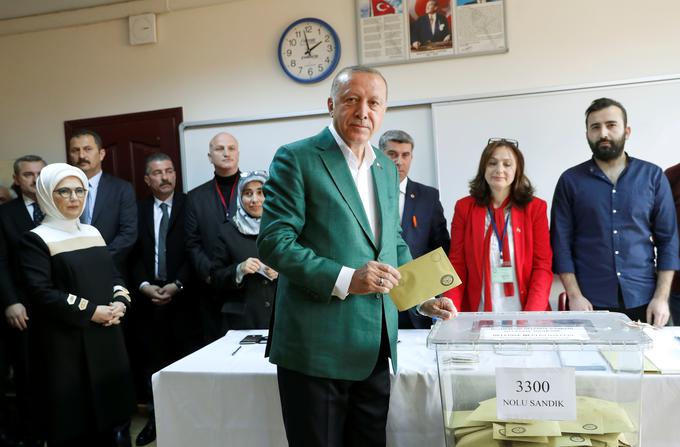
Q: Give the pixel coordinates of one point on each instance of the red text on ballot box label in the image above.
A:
(544, 394)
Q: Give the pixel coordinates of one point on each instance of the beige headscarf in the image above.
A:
(49, 178)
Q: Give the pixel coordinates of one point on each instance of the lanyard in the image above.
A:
(231, 194)
(500, 238)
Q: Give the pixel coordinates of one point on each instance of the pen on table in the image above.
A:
(235, 351)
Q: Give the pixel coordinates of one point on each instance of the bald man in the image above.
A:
(208, 207)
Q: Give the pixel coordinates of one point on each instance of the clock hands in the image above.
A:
(307, 43)
(309, 50)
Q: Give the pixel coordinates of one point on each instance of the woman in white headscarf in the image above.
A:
(80, 368)
(248, 285)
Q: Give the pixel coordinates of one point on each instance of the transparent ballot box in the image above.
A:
(531, 379)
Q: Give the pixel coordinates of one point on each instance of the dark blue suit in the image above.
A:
(115, 216)
(423, 228)
(422, 32)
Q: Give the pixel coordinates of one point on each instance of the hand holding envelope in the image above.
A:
(423, 278)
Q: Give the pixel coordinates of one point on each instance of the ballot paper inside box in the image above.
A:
(540, 379)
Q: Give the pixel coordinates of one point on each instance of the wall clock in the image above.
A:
(309, 50)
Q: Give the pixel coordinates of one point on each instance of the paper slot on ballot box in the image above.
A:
(423, 278)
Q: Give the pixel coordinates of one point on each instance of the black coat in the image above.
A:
(14, 222)
(247, 305)
(80, 368)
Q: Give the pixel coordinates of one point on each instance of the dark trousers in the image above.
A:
(322, 412)
(634, 313)
(104, 439)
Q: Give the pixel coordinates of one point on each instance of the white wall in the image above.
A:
(220, 62)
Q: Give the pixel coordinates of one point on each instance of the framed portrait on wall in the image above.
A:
(397, 31)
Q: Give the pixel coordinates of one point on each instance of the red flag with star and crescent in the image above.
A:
(382, 7)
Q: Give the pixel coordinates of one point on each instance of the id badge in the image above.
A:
(502, 273)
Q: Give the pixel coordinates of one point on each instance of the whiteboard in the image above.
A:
(259, 138)
(550, 128)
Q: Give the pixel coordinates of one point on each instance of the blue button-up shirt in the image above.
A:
(606, 234)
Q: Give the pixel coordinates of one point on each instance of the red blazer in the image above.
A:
(533, 255)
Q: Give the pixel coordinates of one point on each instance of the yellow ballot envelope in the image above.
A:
(423, 278)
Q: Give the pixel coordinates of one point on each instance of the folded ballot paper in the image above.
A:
(423, 278)
(598, 423)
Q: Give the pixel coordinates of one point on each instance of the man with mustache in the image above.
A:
(208, 207)
(165, 317)
(613, 230)
(110, 207)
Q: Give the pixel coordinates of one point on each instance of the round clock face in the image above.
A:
(309, 50)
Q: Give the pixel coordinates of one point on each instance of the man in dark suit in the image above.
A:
(208, 207)
(430, 27)
(335, 326)
(423, 225)
(16, 217)
(112, 209)
(110, 206)
(165, 316)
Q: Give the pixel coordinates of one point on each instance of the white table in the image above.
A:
(214, 398)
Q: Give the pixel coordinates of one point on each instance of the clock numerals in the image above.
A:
(309, 50)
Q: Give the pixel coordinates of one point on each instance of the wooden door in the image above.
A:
(130, 138)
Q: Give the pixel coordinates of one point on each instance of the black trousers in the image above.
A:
(634, 313)
(322, 412)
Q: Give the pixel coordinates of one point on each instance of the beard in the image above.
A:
(612, 152)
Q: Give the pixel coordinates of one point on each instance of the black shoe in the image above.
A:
(123, 437)
(148, 433)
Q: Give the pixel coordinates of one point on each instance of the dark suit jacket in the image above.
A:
(177, 263)
(205, 215)
(423, 228)
(313, 224)
(115, 216)
(673, 175)
(423, 33)
(14, 222)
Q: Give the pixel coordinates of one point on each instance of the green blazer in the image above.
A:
(313, 224)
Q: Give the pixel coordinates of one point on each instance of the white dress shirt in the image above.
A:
(402, 197)
(363, 179)
(157, 216)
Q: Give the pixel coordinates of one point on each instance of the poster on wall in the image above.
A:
(397, 31)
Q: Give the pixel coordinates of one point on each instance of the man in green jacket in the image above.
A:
(331, 229)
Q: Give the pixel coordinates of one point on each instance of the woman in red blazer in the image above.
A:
(500, 242)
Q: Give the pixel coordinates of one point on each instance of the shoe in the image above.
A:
(123, 437)
(148, 433)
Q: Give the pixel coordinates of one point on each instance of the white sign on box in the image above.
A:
(515, 333)
(544, 394)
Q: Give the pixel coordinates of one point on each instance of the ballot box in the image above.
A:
(531, 379)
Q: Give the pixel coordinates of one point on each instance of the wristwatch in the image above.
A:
(179, 285)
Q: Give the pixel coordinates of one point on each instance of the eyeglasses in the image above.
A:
(65, 193)
(508, 141)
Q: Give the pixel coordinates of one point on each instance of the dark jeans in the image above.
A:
(674, 304)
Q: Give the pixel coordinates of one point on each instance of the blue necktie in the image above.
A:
(86, 217)
(38, 215)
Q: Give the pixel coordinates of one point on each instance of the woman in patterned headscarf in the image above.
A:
(249, 286)
(79, 363)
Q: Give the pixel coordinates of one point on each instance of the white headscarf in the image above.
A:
(49, 178)
(245, 223)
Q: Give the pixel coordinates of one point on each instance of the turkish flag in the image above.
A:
(382, 7)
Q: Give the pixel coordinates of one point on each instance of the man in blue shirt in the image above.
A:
(613, 230)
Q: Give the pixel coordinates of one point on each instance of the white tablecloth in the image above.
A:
(214, 398)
